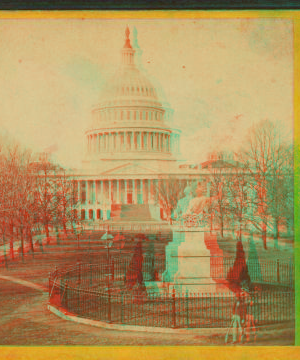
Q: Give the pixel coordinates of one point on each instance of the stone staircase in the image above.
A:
(135, 212)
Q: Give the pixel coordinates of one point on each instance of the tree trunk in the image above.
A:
(276, 237)
(22, 243)
(65, 228)
(4, 251)
(240, 230)
(30, 240)
(264, 235)
(47, 229)
(222, 227)
(57, 235)
(11, 245)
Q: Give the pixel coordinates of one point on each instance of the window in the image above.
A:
(82, 214)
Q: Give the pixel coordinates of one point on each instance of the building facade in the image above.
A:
(131, 147)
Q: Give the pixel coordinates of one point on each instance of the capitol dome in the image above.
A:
(130, 117)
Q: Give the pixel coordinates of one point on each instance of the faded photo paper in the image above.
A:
(146, 182)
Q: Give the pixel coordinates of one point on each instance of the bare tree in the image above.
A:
(220, 206)
(262, 156)
(237, 197)
(168, 192)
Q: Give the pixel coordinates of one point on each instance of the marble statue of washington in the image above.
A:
(201, 203)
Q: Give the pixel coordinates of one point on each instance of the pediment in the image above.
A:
(130, 169)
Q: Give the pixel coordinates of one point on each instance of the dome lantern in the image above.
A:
(127, 51)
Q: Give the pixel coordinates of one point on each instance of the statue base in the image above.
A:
(189, 265)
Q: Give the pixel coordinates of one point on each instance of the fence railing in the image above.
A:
(169, 310)
(98, 291)
(274, 272)
(260, 271)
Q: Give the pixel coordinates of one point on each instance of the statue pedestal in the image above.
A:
(188, 264)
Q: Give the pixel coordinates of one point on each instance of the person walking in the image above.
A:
(250, 322)
(236, 321)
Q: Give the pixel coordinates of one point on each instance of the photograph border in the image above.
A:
(180, 352)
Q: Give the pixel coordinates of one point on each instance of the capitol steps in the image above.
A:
(135, 212)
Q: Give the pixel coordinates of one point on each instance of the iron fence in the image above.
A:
(169, 310)
(98, 291)
(261, 271)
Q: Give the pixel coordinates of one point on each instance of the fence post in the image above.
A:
(122, 304)
(50, 278)
(291, 272)
(66, 294)
(109, 306)
(78, 300)
(173, 308)
(187, 308)
(79, 274)
(278, 273)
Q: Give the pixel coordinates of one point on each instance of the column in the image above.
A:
(87, 192)
(79, 194)
(152, 191)
(132, 141)
(160, 145)
(101, 193)
(125, 141)
(149, 191)
(109, 142)
(110, 189)
(140, 140)
(143, 190)
(125, 191)
(97, 191)
(118, 192)
(134, 197)
(118, 141)
(174, 143)
(149, 141)
(93, 191)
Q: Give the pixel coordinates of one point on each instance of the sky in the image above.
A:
(220, 76)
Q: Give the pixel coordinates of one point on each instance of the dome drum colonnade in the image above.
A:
(130, 124)
(132, 140)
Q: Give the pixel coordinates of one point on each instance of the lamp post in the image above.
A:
(108, 237)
